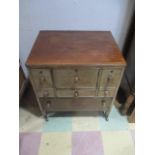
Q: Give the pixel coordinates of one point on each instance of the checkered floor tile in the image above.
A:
(76, 134)
(55, 143)
(87, 143)
(29, 143)
(116, 122)
(58, 124)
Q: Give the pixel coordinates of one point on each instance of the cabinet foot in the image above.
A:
(106, 116)
(46, 116)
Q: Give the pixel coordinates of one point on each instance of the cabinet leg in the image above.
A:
(46, 116)
(106, 116)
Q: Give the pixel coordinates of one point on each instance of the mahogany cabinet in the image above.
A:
(75, 71)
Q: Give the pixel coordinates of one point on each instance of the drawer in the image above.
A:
(46, 92)
(75, 93)
(110, 77)
(80, 104)
(41, 78)
(75, 78)
(109, 92)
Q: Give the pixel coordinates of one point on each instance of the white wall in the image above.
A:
(38, 15)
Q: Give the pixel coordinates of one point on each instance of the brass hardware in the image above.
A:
(111, 71)
(76, 70)
(76, 78)
(76, 93)
(48, 105)
(41, 72)
(46, 93)
(103, 102)
(106, 92)
(110, 75)
(42, 80)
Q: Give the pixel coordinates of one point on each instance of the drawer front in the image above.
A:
(109, 92)
(81, 104)
(110, 77)
(76, 93)
(46, 92)
(75, 78)
(41, 78)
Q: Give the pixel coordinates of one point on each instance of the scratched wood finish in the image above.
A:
(71, 93)
(75, 70)
(46, 92)
(42, 78)
(71, 104)
(112, 75)
(79, 78)
(84, 48)
(108, 92)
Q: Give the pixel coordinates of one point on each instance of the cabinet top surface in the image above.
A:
(75, 48)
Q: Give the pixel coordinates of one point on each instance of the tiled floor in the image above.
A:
(76, 134)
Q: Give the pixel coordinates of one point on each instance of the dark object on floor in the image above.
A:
(126, 93)
(131, 118)
(121, 96)
(126, 106)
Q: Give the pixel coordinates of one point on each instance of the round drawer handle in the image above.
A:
(106, 92)
(76, 70)
(103, 102)
(48, 104)
(41, 72)
(76, 79)
(111, 71)
(46, 94)
(76, 93)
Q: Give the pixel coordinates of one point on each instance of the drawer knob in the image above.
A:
(46, 93)
(103, 102)
(106, 92)
(76, 93)
(111, 71)
(76, 79)
(41, 72)
(48, 104)
(76, 70)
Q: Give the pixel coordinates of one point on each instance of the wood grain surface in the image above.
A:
(82, 48)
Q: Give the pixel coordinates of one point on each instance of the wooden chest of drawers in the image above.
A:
(75, 71)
